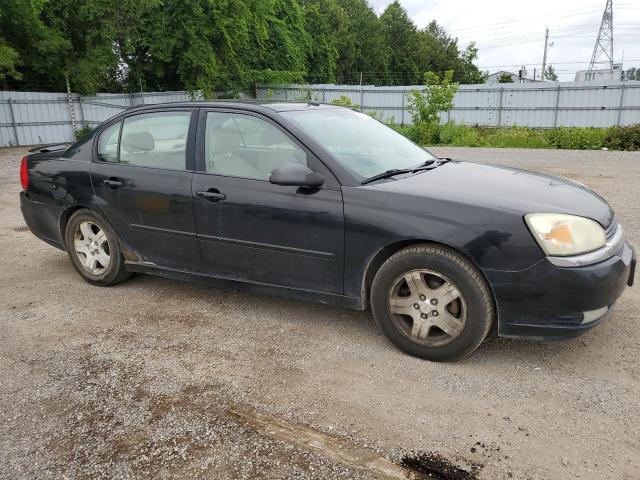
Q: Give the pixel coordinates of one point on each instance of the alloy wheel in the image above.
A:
(427, 307)
(92, 248)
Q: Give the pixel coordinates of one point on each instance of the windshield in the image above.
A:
(361, 143)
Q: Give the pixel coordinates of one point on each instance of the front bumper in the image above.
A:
(550, 302)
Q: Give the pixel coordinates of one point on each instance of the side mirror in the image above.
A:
(296, 175)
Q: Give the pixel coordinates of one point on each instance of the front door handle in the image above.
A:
(211, 195)
(112, 183)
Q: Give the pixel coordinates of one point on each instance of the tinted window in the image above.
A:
(108, 144)
(155, 140)
(245, 146)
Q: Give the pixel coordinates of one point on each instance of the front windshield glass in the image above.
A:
(361, 143)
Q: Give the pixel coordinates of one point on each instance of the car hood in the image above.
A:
(503, 188)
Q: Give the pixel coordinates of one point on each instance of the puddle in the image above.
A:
(433, 465)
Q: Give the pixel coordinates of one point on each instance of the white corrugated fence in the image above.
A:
(540, 105)
(29, 118)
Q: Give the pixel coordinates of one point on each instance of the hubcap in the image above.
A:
(427, 307)
(92, 248)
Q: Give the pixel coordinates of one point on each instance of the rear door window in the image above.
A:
(156, 140)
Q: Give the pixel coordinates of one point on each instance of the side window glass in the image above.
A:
(155, 140)
(108, 143)
(245, 146)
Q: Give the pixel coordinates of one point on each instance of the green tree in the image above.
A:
(362, 46)
(425, 106)
(440, 52)
(344, 101)
(402, 39)
(631, 74)
(325, 22)
(217, 45)
(469, 73)
(9, 60)
(32, 49)
(98, 35)
(505, 78)
(225, 45)
(550, 74)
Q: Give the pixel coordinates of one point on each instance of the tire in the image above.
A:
(432, 303)
(90, 241)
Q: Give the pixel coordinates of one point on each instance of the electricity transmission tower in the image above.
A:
(603, 50)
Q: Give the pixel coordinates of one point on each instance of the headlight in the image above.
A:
(559, 234)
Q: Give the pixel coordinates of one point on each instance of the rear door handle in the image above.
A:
(211, 195)
(112, 183)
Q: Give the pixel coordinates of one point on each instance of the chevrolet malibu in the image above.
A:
(322, 203)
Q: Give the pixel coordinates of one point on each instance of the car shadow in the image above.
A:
(357, 326)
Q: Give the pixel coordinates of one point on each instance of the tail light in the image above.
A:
(24, 173)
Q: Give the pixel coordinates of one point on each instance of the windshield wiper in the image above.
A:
(387, 174)
(428, 165)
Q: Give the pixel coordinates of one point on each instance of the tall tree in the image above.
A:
(325, 22)
(9, 60)
(550, 74)
(632, 73)
(218, 45)
(362, 48)
(37, 48)
(439, 52)
(402, 39)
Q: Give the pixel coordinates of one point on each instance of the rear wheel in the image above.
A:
(432, 303)
(94, 249)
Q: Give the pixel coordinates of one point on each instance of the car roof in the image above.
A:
(256, 105)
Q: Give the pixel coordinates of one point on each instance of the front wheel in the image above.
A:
(94, 249)
(432, 303)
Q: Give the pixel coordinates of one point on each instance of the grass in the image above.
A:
(617, 138)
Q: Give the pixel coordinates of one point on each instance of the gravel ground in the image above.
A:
(154, 378)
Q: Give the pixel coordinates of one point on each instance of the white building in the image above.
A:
(515, 77)
(614, 74)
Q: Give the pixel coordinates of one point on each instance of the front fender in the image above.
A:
(493, 239)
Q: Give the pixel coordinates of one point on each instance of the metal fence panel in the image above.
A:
(29, 118)
(39, 117)
(541, 105)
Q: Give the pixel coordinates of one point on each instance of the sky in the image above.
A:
(511, 33)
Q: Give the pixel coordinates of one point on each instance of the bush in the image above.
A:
(515, 137)
(577, 138)
(345, 101)
(83, 131)
(424, 133)
(617, 138)
(460, 136)
(623, 138)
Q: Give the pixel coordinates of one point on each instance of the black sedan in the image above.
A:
(322, 203)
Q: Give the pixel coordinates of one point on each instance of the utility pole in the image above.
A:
(72, 111)
(361, 94)
(603, 50)
(547, 46)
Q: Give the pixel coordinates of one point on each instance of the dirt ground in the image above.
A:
(156, 379)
